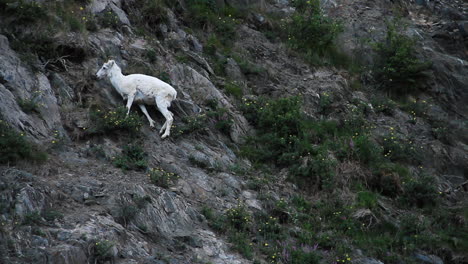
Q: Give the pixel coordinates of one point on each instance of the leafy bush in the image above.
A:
(387, 178)
(398, 69)
(311, 32)
(102, 250)
(420, 192)
(383, 105)
(133, 158)
(233, 89)
(161, 178)
(75, 24)
(402, 150)
(28, 105)
(33, 218)
(246, 66)
(240, 243)
(154, 12)
(109, 19)
(216, 117)
(114, 120)
(367, 199)
(208, 15)
(217, 222)
(15, 147)
(239, 218)
(192, 124)
(23, 12)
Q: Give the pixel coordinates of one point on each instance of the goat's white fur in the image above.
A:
(142, 89)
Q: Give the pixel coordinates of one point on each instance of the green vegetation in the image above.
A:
(311, 32)
(233, 89)
(114, 120)
(216, 117)
(153, 12)
(14, 146)
(33, 218)
(23, 12)
(132, 158)
(29, 105)
(161, 178)
(103, 250)
(208, 15)
(398, 69)
(109, 19)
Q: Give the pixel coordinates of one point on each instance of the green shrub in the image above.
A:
(15, 147)
(75, 24)
(108, 19)
(416, 108)
(311, 32)
(383, 105)
(51, 215)
(33, 218)
(208, 15)
(154, 12)
(241, 243)
(114, 120)
(151, 55)
(192, 124)
(216, 117)
(420, 192)
(91, 24)
(29, 105)
(233, 89)
(161, 178)
(325, 102)
(217, 222)
(127, 213)
(397, 68)
(367, 199)
(102, 250)
(133, 158)
(402, 150)
(246, 66)
(365, 150)
(23, 12)
(387, 178)
(239, 218)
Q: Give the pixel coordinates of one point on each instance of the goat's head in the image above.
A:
(105, 69)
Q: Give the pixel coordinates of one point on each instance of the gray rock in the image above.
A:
(67, 254)
(201, 89)
(29, 200)
(429, 259)
(37, 241)
(120, 14)
(19, 83)
(233, 71)
(366, 261)
(63, 235)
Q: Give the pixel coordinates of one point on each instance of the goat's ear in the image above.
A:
(111, 63)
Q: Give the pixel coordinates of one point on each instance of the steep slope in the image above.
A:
(274, 157)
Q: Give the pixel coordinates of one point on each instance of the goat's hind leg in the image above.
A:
(163, 103)
(143, 109)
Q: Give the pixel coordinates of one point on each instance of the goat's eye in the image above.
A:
(104, 68)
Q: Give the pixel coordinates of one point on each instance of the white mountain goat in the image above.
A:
(142, 89)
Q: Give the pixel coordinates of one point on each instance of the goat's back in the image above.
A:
(149, 85)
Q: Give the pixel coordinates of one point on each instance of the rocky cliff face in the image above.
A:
(78, 207)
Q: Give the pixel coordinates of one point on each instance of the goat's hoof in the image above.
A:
(164, 136)
(152, 125)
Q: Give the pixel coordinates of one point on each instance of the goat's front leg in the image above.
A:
(131, 96)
